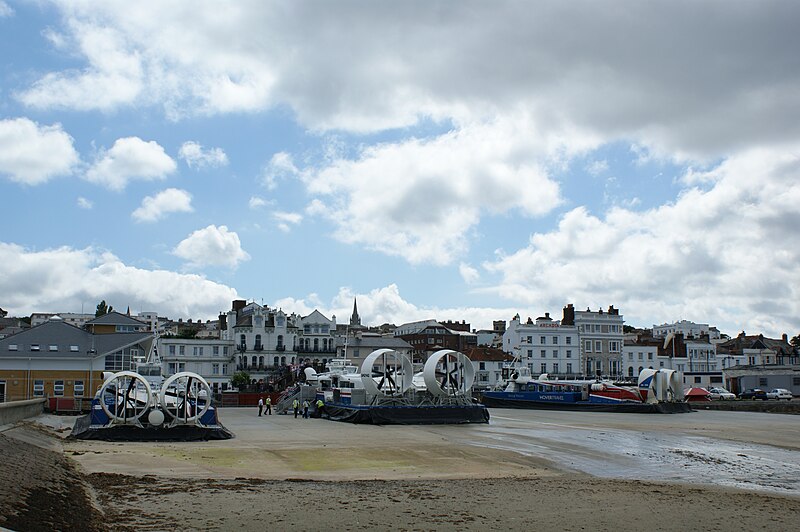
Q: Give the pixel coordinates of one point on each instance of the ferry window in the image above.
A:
(53, 348)
(58, 388)
(12, 347)
(77, 389)
(34, 347)
(38, 387)
(73, 348)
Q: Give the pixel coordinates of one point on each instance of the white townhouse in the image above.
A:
(687, 329)
(545, 345)
(212, 359)
(601, 338)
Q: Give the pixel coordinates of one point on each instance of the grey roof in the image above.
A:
(374, 342)
(116, 318)
(64, 336)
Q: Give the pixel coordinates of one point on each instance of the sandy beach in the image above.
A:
(525, 470)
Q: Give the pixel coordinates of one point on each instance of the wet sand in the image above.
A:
(525, 470)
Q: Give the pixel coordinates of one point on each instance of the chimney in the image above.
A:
(238, 305)
(223, 322)
(569, 315)
(785, 337)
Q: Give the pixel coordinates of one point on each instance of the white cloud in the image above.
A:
(468, 273)
(595, 168)
(212, 246)
(114, 75)
(31, 154)
(280, 167)
(5, 10)
(85, 276)
(196, 157)
(683, 97)
(128, 159)
(84, 203)
(256, 202)
(723, 255)
(418, 199)
(287, 219)
(167, 201)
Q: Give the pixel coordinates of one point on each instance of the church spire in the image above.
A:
(355, 320)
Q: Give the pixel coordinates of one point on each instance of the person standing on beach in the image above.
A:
(269, 405)
(305, 409)
(260, 406)
(295, 406)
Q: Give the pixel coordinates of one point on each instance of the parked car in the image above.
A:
(721, 394)
(779, 393)
(753, 393)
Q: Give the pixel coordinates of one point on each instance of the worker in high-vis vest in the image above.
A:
(296, 407)
(320, 407)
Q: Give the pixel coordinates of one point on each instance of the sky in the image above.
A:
(435, 160)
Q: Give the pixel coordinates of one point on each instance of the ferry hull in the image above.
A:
(407, 415)
(497, 401)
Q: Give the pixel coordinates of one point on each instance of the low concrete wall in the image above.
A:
(14, 411)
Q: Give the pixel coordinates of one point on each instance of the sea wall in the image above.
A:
(14, 411)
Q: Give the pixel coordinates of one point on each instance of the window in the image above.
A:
(555, 340)
(58, 388)
(73, 348)
(598, 346)
(38, 387)
(569, 340)
(172, 350)
(569, 367)
(649, 356)
(543, 354)
(77, 389)
(641, 356)
(530, 353)
(172, 368)
(224, 349)
(224, 369)
(34, 347)
(569, 353)
(795, 381)
(588, 346)
(613, 346)
(215, 349)
(661, 364)
(698, 380)
(530, 339)
(762, 381)
(555, 367)
(215, 369)
(482, 365)
(181, 350)
(544, 367)
(53, 348)
(13, 347)
(542, 340)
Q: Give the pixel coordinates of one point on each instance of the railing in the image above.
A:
(300, 349)
(258, 347)
(280, 348)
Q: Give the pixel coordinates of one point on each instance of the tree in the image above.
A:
(795, 341)
(240, 378)
(102, 309)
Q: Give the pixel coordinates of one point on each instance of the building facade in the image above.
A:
(544, 345)
(601, 337)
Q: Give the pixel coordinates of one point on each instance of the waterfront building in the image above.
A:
(545, 345)
(601, 338)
